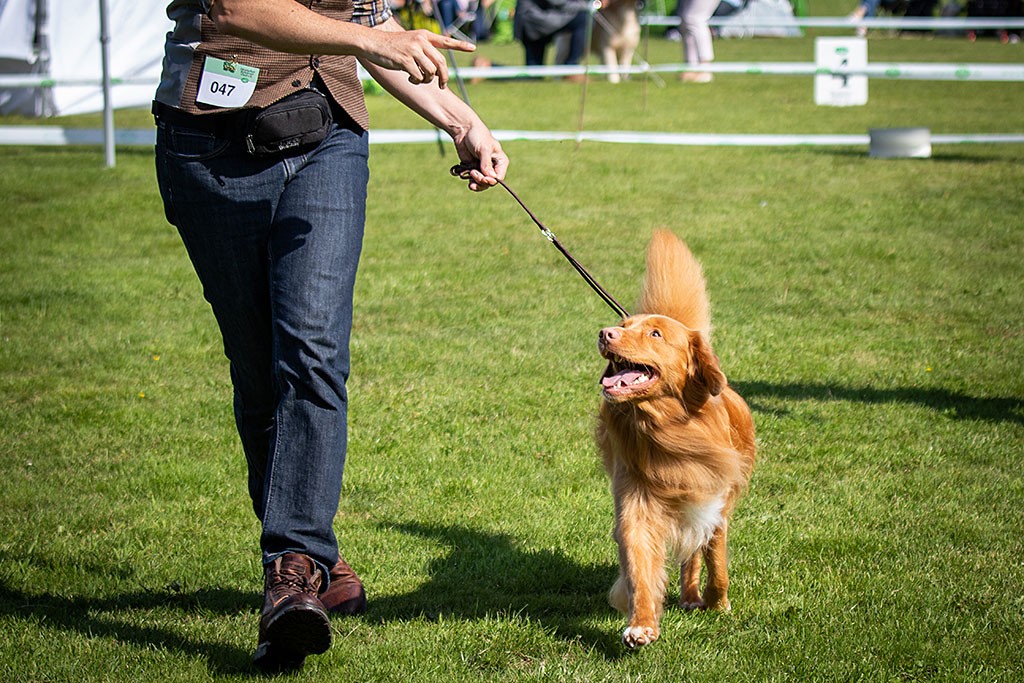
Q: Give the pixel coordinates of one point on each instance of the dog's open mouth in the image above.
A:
(623, 378)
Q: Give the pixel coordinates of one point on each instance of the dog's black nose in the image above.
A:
(609, 334)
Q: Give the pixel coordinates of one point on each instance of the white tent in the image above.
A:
(59, 40)
(761, 18)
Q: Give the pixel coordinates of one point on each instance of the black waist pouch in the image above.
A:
(297, 123)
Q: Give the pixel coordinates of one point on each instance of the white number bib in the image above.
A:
(225, 83)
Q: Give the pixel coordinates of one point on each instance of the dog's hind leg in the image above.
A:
(618, 596)
(689, 584)
(611, 61)
(625, 58)
(716, 592)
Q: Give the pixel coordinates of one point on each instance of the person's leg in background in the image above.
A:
(697, 46)
(446, 11)
(577, 30)
(535, 49)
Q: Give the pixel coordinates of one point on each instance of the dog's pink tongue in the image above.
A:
(624, 378)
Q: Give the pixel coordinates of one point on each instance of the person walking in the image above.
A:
(261, 161)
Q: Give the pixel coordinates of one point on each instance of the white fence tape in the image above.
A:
(35, 81)
(693, 139)
(921, 71)
(903, 23)
(51, 135)
(891, 71)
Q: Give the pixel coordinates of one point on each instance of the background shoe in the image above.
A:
(293, 621)
(696, 77)
(345, 594)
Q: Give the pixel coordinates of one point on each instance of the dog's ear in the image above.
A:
(706, 377)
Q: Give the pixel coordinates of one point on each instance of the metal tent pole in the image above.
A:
(108, 104)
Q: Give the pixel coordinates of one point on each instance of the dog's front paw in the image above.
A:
(638, 636)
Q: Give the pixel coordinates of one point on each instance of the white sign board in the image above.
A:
(832, 54)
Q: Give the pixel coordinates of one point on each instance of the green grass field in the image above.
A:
(871, 312)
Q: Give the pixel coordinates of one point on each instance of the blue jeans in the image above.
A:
(275, 243)
(577, 30)
(446, 13)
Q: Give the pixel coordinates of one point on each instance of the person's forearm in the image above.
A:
(474, 142)
(439, 106)
(288, 26)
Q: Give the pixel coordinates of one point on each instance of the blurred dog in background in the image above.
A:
(616, 34)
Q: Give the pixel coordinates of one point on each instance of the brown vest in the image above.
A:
(282, 73)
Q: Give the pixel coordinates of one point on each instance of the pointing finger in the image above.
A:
(449, 43)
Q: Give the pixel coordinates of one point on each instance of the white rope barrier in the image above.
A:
(53, 136)
(34, 81)
(919, 23)
(50, 135)
(889, 71)
(882, 70)
(914, 71)
(693, 139)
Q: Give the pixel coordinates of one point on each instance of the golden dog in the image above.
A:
(677, 442)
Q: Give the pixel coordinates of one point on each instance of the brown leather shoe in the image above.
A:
(345, 595)
(293, 621)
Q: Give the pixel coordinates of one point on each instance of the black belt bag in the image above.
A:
(297, 123)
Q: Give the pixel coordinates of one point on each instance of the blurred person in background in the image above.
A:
(537, 23)
(696, 37)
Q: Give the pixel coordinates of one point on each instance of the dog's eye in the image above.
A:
(655, 333)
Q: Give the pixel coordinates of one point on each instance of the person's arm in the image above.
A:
(443, 108)
(399, 60)
(287, 26)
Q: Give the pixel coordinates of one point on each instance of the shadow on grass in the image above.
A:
(104, 618)
(950, 403)
(487, 574)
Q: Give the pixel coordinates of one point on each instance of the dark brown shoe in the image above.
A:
(345, 595)
(293, 621)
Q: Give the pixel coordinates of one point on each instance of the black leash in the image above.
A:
(462, 171)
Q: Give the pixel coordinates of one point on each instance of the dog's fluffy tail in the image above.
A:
(674, 284)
